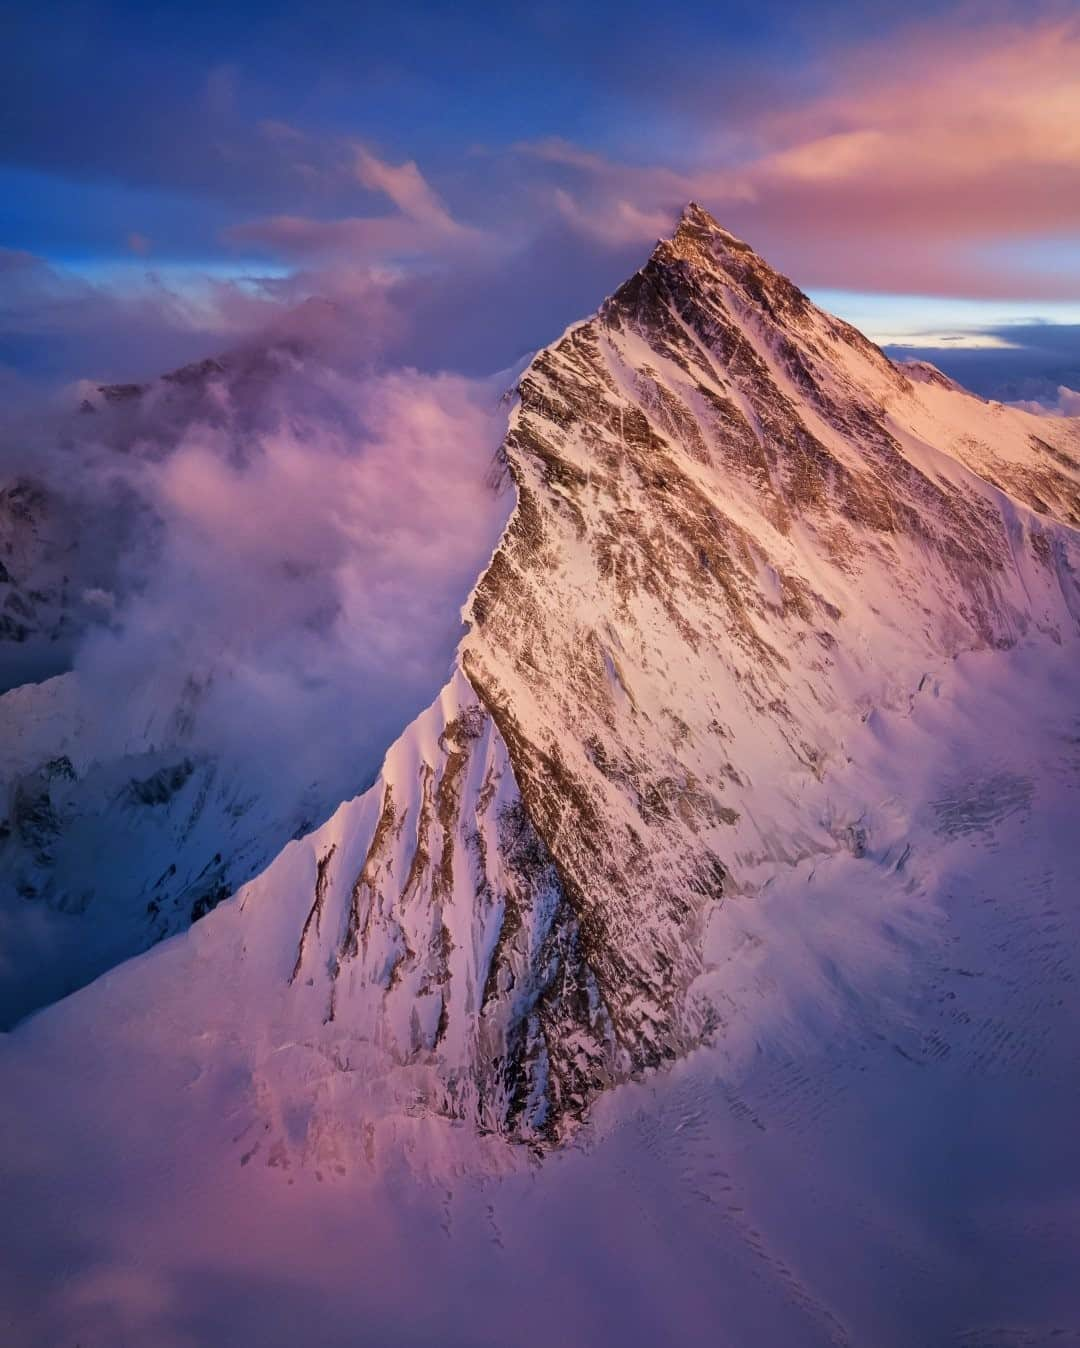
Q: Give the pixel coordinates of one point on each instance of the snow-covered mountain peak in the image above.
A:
(739, 529)
(698, 228)
(758, 762)
(741, 533)
(708, 257)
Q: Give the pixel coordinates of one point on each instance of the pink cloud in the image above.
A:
(925, 167)
(357, 236)
(912, 155)
(916, 167)
(616, 221)
(421, 224)
(408, 189)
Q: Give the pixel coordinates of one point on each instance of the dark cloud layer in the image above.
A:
(1041, 358)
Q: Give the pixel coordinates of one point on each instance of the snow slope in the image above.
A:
(759, 762)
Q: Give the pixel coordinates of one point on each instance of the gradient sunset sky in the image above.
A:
(464, 180)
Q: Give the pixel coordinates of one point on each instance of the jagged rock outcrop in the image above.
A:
(739, 527)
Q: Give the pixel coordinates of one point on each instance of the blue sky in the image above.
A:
(467, 179)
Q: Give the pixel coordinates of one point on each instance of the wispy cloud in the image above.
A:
(903, 174)
(409, 190)
(420, 226)
(942, 160)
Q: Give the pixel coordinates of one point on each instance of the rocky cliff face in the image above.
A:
(739, 529)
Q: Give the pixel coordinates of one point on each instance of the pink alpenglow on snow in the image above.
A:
(697, 934)
(540, 760)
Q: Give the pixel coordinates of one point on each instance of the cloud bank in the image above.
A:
(1066, 404)
(298, 535)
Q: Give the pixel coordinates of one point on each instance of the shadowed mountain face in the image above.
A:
(739, 528)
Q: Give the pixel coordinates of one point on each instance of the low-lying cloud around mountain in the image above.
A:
(283, 539)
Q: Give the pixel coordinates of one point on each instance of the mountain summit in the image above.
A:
(758, 762)
(739, 529)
